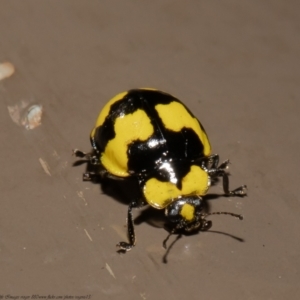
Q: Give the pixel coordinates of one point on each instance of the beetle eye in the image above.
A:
(206, 225)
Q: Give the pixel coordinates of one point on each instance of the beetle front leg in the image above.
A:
(124, 246)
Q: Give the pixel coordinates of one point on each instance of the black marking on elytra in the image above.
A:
(177, 146)
(143, 156)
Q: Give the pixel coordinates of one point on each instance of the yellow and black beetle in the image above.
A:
(152, 136)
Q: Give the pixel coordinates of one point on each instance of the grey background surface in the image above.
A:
(234, 63)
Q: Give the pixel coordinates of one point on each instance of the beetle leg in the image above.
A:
(93, 162)
(90, 176)
(240, 191)
(167, 238)
(214, 170)
(214, 161)
(93, 159)
(220, 171)
(124, 246)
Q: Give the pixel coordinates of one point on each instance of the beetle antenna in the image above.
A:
(240, 217)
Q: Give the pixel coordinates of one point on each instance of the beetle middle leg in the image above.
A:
(124, 246)
(212, 168)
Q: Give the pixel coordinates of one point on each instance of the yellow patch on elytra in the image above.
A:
(131, 127)
(180, 118)
(160, 194)
(105, 111)
(188, 212)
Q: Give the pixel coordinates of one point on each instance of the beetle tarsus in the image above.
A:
(240, 191)
(224, 165)
(124, 247)
(89, 176)
(79, 153)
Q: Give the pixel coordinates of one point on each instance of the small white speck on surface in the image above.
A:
(32, 117)
(45, 166)
(86, 232)
(108, 268)
(143, 295)
(16, 111)
(26, 115)
(55, 154)
(80, 195)
(6, 70)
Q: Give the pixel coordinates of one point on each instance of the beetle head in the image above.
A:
(186, 216)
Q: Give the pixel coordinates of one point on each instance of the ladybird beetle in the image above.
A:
(150, 135)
